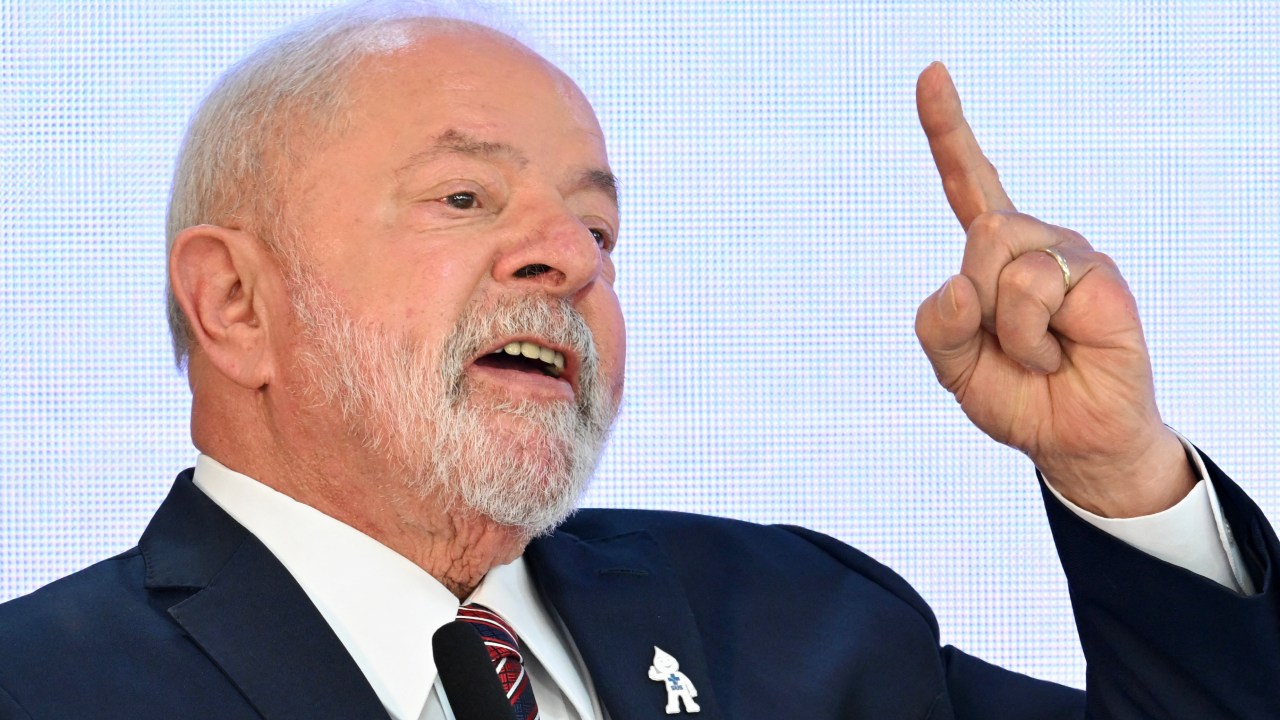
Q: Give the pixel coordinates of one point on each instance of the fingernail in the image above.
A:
(1035, 369)
(947, 306)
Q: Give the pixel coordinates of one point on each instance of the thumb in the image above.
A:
(949, 326)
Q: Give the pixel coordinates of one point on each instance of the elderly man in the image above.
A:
(390, 278)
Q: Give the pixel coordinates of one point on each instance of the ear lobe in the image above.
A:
(221, 279)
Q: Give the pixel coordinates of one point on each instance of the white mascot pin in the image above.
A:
(666, 670)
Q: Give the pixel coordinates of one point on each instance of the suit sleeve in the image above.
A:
(1164, 642)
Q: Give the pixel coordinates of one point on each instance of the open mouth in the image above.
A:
(526, 357)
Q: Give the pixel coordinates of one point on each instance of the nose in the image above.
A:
(555, 253)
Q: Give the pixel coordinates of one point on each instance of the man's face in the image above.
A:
(465, 211)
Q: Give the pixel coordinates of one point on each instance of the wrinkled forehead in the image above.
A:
(388, 69)
(417, 87)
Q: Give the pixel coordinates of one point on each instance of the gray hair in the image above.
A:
(262, 115)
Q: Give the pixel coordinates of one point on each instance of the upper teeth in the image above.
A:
(534, 351)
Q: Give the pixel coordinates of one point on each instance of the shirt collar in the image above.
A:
(382, 606)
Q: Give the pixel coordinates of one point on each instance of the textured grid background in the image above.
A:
(782, 220)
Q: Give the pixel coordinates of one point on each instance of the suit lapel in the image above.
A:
(249, 615)
(619, 598)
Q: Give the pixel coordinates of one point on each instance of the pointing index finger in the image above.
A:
(968, 178)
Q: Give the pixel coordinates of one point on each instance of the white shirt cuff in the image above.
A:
(1193, 534)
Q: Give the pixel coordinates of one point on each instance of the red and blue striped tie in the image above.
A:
(504, 651)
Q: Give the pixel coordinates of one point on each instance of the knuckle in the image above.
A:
(989, 224)
(1073, 238)
(1019, 280)
(1106, 261)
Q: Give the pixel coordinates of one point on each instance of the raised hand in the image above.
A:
(1043, 349)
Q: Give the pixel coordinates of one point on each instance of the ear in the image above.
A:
(223, 281)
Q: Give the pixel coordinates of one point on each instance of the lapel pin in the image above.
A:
(666, 670)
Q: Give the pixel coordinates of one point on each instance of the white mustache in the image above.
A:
(554, 320)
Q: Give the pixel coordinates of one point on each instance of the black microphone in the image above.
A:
(469, 679)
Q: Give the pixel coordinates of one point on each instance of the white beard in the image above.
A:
(525, 470)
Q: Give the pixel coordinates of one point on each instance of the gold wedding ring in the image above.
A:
(1062, 263)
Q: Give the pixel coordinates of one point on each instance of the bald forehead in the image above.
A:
(443, 50)
(458, 53)
(450, 88)
(448, 38)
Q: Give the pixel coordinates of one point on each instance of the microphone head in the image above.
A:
(470, 681)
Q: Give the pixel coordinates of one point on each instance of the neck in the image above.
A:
(316, 464)
(456, 546)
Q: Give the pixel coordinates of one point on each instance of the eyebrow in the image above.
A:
(456, 142)
(599, 180)
(459, 142)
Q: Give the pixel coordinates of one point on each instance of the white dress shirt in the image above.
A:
(384, 608)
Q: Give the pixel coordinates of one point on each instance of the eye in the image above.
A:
(461, 201)
(603, 238)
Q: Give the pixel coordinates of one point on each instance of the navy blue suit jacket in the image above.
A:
(201, 621)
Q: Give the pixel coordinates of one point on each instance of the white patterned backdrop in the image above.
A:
(781, 222)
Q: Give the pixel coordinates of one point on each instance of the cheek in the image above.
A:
(609, 271)
(427, 290)
(610, 332)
